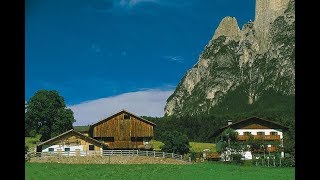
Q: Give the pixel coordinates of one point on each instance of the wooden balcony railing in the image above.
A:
(263, 137)
(271, 149)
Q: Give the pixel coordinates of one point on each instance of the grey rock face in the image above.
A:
(258, 58)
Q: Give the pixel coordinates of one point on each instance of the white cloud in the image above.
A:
(131, 3)
(143, 103)
(178, 59)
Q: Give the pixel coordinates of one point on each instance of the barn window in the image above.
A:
(126, 116)
(108, 139)
(91, 147)
(66, 149)
(51, 149)
(136, 139)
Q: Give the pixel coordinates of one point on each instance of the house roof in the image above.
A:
(117, 113)
(81, 128)
(248, 121)
(68, 132)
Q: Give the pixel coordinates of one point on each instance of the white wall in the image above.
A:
(56, 147)
(254, 131)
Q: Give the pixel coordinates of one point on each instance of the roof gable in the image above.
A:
(72, 131)
(118, 113)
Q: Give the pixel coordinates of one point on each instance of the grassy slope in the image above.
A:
(154, 171)
(195, 146)
(31, 141)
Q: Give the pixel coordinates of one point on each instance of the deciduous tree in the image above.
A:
(46, 114)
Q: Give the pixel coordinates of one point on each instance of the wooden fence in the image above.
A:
(106, 153)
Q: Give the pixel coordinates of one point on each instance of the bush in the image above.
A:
(175, 142)
(193, 156)
(26, 148)
(288, 162)
(237, 158)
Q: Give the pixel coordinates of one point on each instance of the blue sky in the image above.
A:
(93, 49)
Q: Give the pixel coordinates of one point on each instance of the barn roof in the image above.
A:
(117, 113)
(253, 119)
(96, 142)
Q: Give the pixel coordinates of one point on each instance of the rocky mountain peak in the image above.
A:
(228, 27)
(265, 14)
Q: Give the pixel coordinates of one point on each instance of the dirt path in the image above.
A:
(105, 160)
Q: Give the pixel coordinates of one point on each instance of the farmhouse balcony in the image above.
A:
(263, 137)
(271, 149)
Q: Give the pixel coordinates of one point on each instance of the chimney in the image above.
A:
(229, 122)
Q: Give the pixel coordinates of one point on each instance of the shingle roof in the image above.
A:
(67, 132)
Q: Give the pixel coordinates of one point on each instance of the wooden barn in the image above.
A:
(123, 130)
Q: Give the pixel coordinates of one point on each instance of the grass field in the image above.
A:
(195, 146)
(154, 171)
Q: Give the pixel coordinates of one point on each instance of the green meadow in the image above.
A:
(154, 171)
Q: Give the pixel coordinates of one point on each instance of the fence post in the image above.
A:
(268, 160)
(154, 154)
(163, 154)
(111, 152)
(146, 153)
(180, 157)
(172, 155)
(137, 152)
(280, 161)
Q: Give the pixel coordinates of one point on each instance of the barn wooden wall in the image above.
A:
(123, 129)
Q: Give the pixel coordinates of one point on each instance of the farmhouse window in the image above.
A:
(66, 149)
(273, 133)
(126, 116)
(260, 133)
(51, 149)
(91, 147)
(247, 133)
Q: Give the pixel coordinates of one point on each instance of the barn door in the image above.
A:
(124, 133)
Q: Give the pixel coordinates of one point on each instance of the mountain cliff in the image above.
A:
(240, 70)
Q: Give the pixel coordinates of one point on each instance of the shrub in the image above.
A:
(193, 155)
(26, 148)
(237, 158)
(175, 142)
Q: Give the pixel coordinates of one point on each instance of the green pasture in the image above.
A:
(154, 171)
